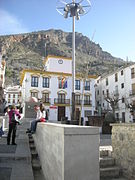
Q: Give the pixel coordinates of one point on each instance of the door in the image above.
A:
(61, 112)
(77, 114)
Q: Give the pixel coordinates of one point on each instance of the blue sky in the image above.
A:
(111, 23)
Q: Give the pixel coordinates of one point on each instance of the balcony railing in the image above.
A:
(46, 100)
(78, 102)
(87, 102)
(132, 93)
(61, 101)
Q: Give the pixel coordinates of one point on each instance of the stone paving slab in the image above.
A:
(16, 159)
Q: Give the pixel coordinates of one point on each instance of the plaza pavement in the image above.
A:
(15, 161)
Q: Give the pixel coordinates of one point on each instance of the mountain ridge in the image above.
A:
(26, 51)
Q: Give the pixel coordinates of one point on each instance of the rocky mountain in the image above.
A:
(28, 50)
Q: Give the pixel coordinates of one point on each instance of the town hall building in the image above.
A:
(53, 87)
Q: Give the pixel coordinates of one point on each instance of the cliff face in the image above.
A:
(27, 51)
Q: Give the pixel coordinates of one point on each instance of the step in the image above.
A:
(32, 146)
(36, 164)
(34, 154)
(105, 153)
(107, 162)
(110, 172)
(31, 140)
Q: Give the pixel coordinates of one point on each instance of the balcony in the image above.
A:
(61, 101)
(46, 100)
(78, 102)
(132, 93)
(87, 102)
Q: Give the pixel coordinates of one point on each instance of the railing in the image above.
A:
(78, 102)
(61, 101)
(46, 100)
(87, 102)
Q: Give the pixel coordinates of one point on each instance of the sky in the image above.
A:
(109, 23)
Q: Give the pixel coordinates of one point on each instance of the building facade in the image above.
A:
(117, 90)
(53, 87)
(13, 96)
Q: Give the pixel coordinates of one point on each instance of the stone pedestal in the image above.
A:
(68, 152)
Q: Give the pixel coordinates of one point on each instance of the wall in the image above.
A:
(67, 151)
(123, 143)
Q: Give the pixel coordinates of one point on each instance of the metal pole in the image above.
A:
(73, 69)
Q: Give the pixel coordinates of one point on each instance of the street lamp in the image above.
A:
(73, 9)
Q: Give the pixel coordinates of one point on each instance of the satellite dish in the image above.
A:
(73, 8)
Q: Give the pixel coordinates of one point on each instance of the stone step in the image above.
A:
(107, 162)
(31, 140)
(7, 158)
(36, 164)
(105, 153)
(32, 146)
(34, 154)
(110, 172)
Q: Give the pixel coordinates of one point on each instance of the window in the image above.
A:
(45, 83)
(123, 116)
(117, 116)
(121, 72)
(34, 94)
(77, 84)
(61, 98)
(9, 100)
(103, 92)
(116, 77)
(13, 101)
(87, 85)
(123, 99)
(45, 97)
(87, 100)
(34, 81)
(106, 81)
(13, 95)
(122, 85)
(98, 92)
(132, 73)
(107, 92)
(77, 99)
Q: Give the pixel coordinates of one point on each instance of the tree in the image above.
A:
(113, 100)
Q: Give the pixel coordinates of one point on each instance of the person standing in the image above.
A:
(12, 124)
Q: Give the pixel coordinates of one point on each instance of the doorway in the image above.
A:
(61, 112)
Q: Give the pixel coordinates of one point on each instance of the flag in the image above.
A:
(65, 84)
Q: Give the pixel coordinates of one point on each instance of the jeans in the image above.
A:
(34, 125)
(12, 129)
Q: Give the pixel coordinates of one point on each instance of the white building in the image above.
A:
(120, 86)
(53, 86)
(13, 95)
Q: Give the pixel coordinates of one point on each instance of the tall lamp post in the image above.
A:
(73, 9)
